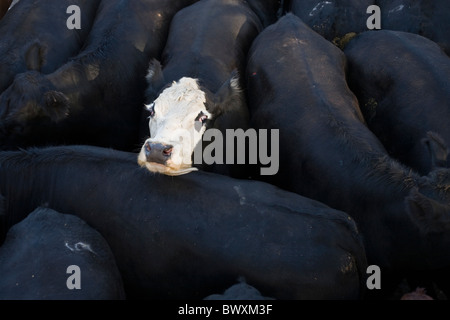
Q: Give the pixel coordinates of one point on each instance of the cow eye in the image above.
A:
(151, 110)
(201, 117)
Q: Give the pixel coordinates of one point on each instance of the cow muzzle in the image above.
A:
(157, 152)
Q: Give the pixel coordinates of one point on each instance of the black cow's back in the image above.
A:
(189, 236)
(333, 19)
(422, 17)
(55, 256)
(402, 81)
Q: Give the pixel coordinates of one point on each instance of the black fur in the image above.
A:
(328, 153)
(96, 96)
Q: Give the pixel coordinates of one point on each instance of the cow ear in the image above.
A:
(437, 148)
(155, 80)
(35, 56)
(228, 96)
(56, 105)
(429, 215)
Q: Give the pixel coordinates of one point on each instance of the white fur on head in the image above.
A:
(174, 123)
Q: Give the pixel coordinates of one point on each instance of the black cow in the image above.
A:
(55, 256)
(427, 18)
(97, 97)
(35, 36)
(190, 236)
(208, 42)
(333, 19)
(327, 152)
(402, 81)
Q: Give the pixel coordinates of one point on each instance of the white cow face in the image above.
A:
(177, 123)
(179, 118)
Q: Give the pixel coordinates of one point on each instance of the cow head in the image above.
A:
(30, 100)
(178, 118)
(13, 62)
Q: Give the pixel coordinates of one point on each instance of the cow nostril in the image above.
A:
(157, 152)
(168, 151)
(147, 147)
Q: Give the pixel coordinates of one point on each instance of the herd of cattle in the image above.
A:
(88, 162)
